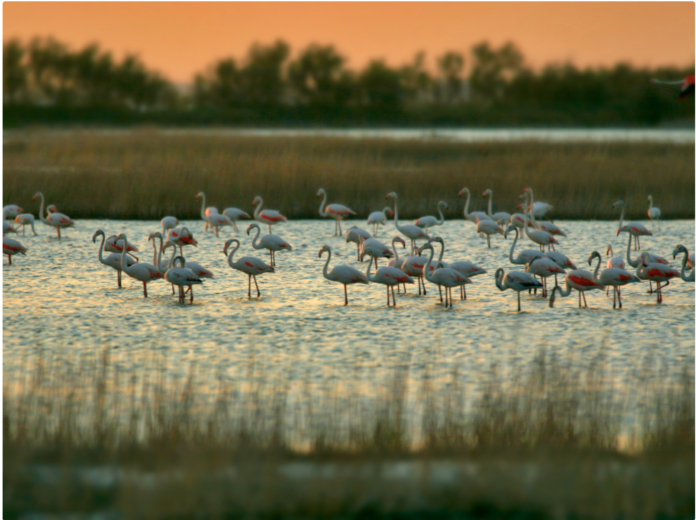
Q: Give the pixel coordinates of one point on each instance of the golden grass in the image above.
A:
(548, 441)
(146, 175)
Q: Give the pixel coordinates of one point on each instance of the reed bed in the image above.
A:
(557, 440)
(147, 175)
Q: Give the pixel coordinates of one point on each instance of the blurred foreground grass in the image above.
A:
(147, 175)
(556, 440)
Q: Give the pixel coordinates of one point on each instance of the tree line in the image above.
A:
(316, 84)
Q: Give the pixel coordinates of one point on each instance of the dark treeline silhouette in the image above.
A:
(44, 81)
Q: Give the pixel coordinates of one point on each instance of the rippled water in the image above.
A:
(60, 298)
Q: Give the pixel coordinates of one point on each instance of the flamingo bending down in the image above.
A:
(12, 247)
(342, 273)
(654, 213)
(544, 267)
(652, 259)
(526, 255)
(463, 267)
(267, 216)
(396, 261)
(613, 276)
(181, 237)
(11, 211)
(181, 276)
(336, 211)
(57, 220)
(271, 242)
(114, 259)
(549, 227)
(517, 220)
(495, 217)
(379, 218)
(413, 266)
(614, 260)
(200, 272)
(234, 214)
(472, 216)
(24, 220)
(687, 86)
(410, 231)
(681, 249)
(443, 277)
(488, 228)
(375, 249)
(249, 265)
(140, 271)
(634, 228)
(655, 272)
(581, 281)
(356, 235)
(518, 281)
(7, 227)
(113, 245)
(430, 221)
(389, 277)
(537, 236)
(168, 223)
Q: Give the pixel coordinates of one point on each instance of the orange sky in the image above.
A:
(181, 38)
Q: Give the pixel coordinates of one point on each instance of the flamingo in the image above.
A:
(389, 277)
(140, 271)
(549, 227)
(336, 211)
(356, 234)
(200, 272)
(430, 221)
(463, 267)
(656, 272)
(652, 259)
(526, 255)
(396, 261)
(495, 216)
(654, 213)
(375, 249)
(581, 281)
(410, 231)
(472, 216)
(271, 242)
(57, 220)
(249, 265)
(24, 220)
(211, 216)
(181, 237)
(634, 228)
(11, 211)
(681, 249)
(687, 86)
(114, 259)
(613, 276)
(537, 209)
(537, 236)
(168, 223)
(267, 216)
(206, 213)
(614, 260)
(518, 281)
(181, 276)
(12, 247)
(234, 214)
(342, 273)
(517, 220)
(488, 228)
(544, 267)
(7, 227)
(413, 266)
(379, 218)
(112, 246)
(443, 277)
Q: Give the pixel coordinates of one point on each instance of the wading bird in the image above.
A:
(488, 228)
(11, 247)
(271, 242)
(634, 228)
(343, 274)
(612, 276)
(267, 216)
(495, 217)
(249, 265)
(56, 220)
(140, 271)
(658, 273)
(7, 227)
(581, 281)
(429, 220)
(410, 231)
(24, 220)
(181, 237)
(375, 249)
(681, 249)
(379, 218)
(356, 235)
(11, 211)
(114, 259)
(463, 267)
(442, 277)
(652, 259)
(654, 213)
(336, 211)
(182, 277)
(472, 216)
(518, 281)
(235, 214)
(389, 277)
(549, 227)
(168, 223)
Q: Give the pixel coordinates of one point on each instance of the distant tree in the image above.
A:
(493, 69)
(15, 75)
(451, 67)
(415, 79)
(317, 76)
(381, 87)
(263, 74)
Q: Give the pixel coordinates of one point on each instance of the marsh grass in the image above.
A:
(553, 440)
(146, 175)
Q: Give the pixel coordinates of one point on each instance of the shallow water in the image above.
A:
(60, 298)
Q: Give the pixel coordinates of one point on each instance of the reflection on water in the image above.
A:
(60, 298)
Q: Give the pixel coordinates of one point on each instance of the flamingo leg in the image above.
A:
(615, 297)
(269, 228)
(376, 266)
(9, 258)
(345, 292)
(489, 241)
(145, 289)
(404, 287)
(258, 293)
(393, 297)
(234, 224)
(118, 277)
(579, 299)
(387, 295)
(659, 293)
(191, 291)
(172, 289)
(439, 288)
(340, 230)
(650, 291)
(519, 305)
(249, 291)
(58, 229)
(584, 298)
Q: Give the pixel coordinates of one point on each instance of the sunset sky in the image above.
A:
(180, 39)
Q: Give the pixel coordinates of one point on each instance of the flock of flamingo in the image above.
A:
(540, 264)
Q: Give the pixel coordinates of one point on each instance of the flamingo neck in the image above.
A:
(369, 268)
(514, 243)
(322, 211)
(466, 205)
(628, 252)
(396, 214)
(596, 271)
(41, 213)
(101, 259)
(426, 267)
(396, 252)
(498, 279)
(623, 208)
(256, 236)
(124, 264)
(326, 265)
(258, 208)
(442, 217)
(230, 257)
(442, 251)
(203, 206)
(490, 205)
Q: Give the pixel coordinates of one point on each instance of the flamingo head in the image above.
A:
(594, 255)
(436, 239)
(619, 203)
(644, 258)
(97, 233)
(321, 192)
(650, 198)
(52, 208)
(400, 241)
(463, 191)
(324, 248)
(443, 204)
(121, 237)
(257, 199)
(390, 212)
(624, 228)
(679, 249)
(509, 229)
(36, 196)
(486, 193)
(252, 226)
(525, 194)
(228, 243)
(200, 194)
(391, 195)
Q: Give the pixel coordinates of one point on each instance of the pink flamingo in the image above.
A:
(396, 261)
(542, 238)
(581, 281)
(495, 217)
(472, 216)
(56, 220)
(267, 216)
(537, 209)
(140, 271)
(413, 266)
(613, 276)
(463, 267)
(429, 220)
(249, 265)
(12, 247)
(684, 276)
(656, 272)
(375, 249)
(410, 231)
(379, 218)
(7, 227)
(342, 273)
(654, 213)
(526, 255)
(168, 223)
(181, 237)
(234, 214)
(24, 220)
(356, 235)
(114, 259)
(389, 277)
(549, 227)
(544, 267)
(636, 229)
(206, 212)
(11, 211)
(442, 277)
(271, 242)
(687, 86)
(112, 246)
(181, 276)
(652, 259)
(518, 281)
(336, 211)
(212, 217)
(488, 228)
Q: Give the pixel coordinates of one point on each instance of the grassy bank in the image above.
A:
(146, 175)
(83, 435)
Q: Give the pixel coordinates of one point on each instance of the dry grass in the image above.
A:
(146, 175)
(551, 441)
